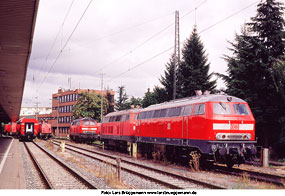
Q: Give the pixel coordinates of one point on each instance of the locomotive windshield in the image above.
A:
(88, 122)
(221, 108)
(241, 109)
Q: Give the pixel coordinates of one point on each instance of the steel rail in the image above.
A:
(43, 176)
(70, 170)
(259, 176)
(188, 179)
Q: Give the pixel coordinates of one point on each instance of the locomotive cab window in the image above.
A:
(199, 109)
(241, 109)
(221, 108)
(85, 122)
(128, 117)
(187, 110)
(92, 123)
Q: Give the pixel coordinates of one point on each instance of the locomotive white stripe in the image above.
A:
(221, 126)
(226, 126)
(246, 127)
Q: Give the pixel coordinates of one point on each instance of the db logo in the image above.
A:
(234, 127)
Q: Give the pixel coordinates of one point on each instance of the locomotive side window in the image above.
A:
(128, 117)
(112, 119)
(221, 108)
(142, 115)
(171, 112)
(187, 110)
(241, 109)
(106, 119)
(123, 118)
(199, 109)
(118, 118)
(177, 111)
(149, 114)
(156, 113)
(163, 113)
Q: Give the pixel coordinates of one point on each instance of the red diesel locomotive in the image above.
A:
(27, 128)
(7, 129)
(221, 128)
(84, 129)
(119, 128)
(45, 131)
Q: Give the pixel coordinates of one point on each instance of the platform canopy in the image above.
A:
(17, 24)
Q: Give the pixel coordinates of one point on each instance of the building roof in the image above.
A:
(17, 23)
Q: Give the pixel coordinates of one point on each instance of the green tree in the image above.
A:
(135, 102)
(122, 101)
(89, 105)
(193, 70)
(148, 99)
(166, 92)
(110, 99)
(251, 71)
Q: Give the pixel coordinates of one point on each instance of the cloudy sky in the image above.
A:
(129, 41)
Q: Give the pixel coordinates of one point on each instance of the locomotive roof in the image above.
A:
(135, 110)
(86, 118)
(195, 99)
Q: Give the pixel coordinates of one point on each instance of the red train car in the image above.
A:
(7, 129)
(11, 129)
(27, 128)
(45, 130)
(220, 128)
(119, 128)
(84, 130)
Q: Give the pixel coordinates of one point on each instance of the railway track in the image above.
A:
(253, 175)
(55, 173)
(166, 178)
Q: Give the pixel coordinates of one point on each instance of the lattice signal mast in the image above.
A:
(176, 51)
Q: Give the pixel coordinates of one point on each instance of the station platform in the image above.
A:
(11, 166)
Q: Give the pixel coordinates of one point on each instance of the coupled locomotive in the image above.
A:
(119, 128)
(45, 130)
(10, 129)
(84, 130)
(220, 128)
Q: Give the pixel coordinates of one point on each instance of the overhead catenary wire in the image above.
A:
(57, 35)
(52, 46)
(65, 44)
(211, 26)
(149, 39)
(224, 19)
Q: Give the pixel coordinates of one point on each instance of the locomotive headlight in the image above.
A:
(221, 136)
(218, 136)
(249, 136)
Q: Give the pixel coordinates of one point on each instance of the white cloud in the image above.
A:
(110, 31)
